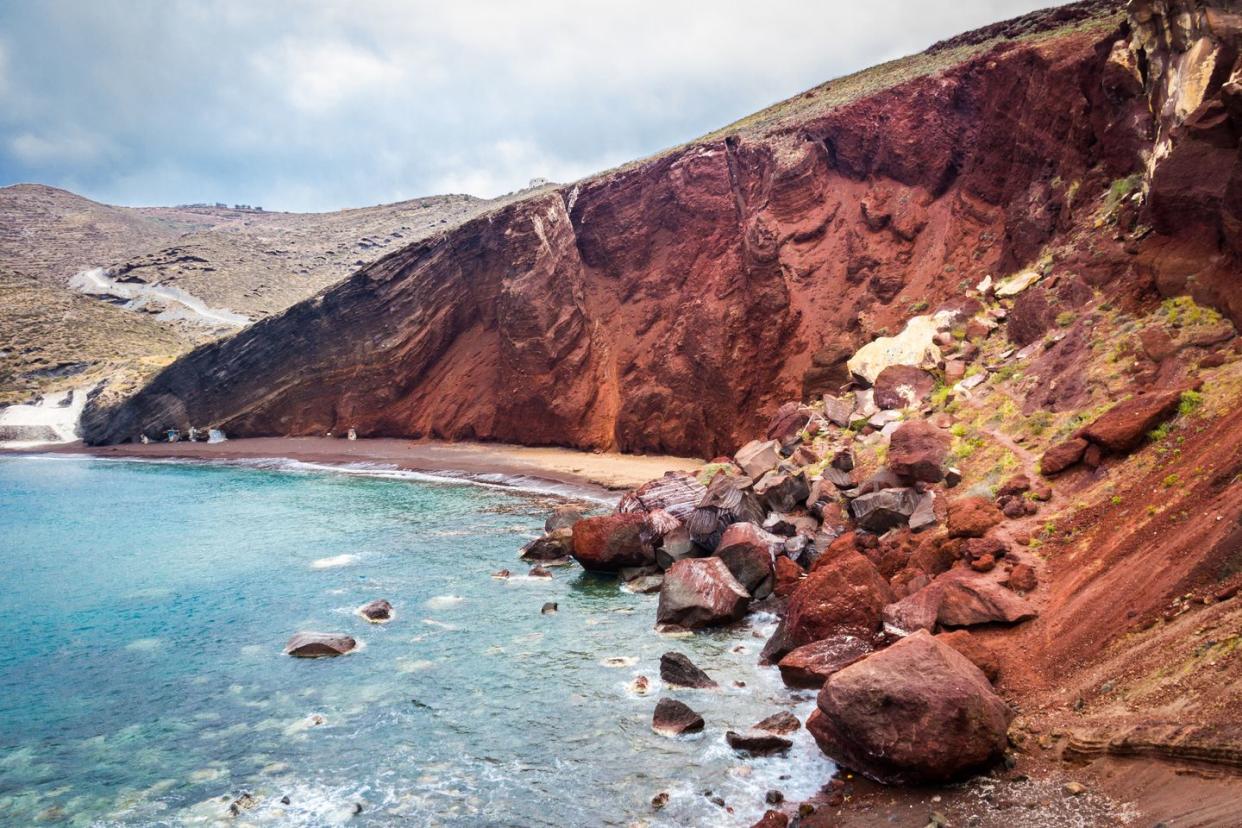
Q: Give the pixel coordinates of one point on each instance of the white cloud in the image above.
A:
(319, 76)
(44, 150)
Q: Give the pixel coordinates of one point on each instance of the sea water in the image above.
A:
(143, 612)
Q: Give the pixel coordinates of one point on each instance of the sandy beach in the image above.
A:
(606, 470)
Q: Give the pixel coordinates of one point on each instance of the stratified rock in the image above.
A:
(915, 713)
(757, 743)
(673, 718)
(679, 671)
(556, 545)
(844, 596)
(782, 723)
(811, 664)
(700, 592)
(1124, 426)
(611, 542)
(1060, 457)
(757, 457)
(972, 517)
(319, 645)
(676, 493)
(377, 611)
(883, 510)
(916, 451)
(563, 517)
(902, 386)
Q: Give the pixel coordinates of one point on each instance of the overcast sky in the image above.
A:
(318, 106)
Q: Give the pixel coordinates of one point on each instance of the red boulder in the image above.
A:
(917, 450)
(1124, 426)
(846, 596)
(972, 517)
(700, 592)
(611, 542)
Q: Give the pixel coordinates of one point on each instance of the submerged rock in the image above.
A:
(673, 718)
(556, 545)
(918, 712)
(549, 608)
(319, 645)
(757, 743)
(377, 611)
(679, 671)
(700, 592)
(782, 723)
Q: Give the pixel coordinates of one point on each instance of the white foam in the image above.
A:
(443, 601)
(334, 561)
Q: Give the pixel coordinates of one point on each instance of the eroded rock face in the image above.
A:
(700, 592)
(614, 313)
(917, 712)
(609, 543)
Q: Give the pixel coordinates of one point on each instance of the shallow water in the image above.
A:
(144, 606)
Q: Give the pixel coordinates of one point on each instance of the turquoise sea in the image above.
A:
(144, 606)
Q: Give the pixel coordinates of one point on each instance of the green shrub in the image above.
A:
(1189, 403)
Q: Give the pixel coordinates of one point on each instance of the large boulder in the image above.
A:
(319, 645)
(902, 386)
(844, 596)
(978, 653)
(673, 718)
(1124, 426)
(915, 345)
(918, 712)
(700, 592)
(811, 664)
(883, 510)
(1061, 456)
(972, 517)
(609, 543)
(749, 552)
(783, 492)
(916, 451)
(678, 670)
(757, 458)
(967, 600)
(676, 493)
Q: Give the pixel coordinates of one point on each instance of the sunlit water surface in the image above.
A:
(144, 606)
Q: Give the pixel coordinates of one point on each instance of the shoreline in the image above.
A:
(600, 475)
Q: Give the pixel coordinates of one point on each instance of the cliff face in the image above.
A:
(670, 305)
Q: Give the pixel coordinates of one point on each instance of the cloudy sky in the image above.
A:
(319, 105)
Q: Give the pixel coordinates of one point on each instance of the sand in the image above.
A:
(606, 470)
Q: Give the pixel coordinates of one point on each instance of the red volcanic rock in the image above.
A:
(967, 600)
(788, 421)
(918, 712)
(319, 645)
(608, 543)
(1060, 457)
(917, 450)
(772, 819)
(1124, 426)
(846, 596)
(651, 308)
(972, 517)
(917, 611)
(782, 723)
(756, 458)
(978, 653)
(788, 576)
(673, 718)
(1022, 578)
(700, 592)
(811, 664)
(902, 386)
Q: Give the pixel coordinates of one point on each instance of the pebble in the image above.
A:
(1074, 788)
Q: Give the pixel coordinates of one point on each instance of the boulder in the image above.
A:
(1124, 426)
(838, 410)
(676, 493)
(924, 514)
(917, 611)
(319, 645)
(757, 458)
(678, 670)
(676, 545)
(917, 450)
(918, 712)
(673, 718)
(915, 345)
(902, 386)
(609, 543)
(883, 510)
(782, 723)
(789, 420)
(556, 545)
(563, 517)
(811, 664)
(846, 595)
(772, 819)
(700, 592)
(972, 517)
(757, 742)
(786, 576)
(377, 611)
(783, 492)
(967, 599)
(748, 552)
(1060, 457)
(978, 653)
(1022, 578)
